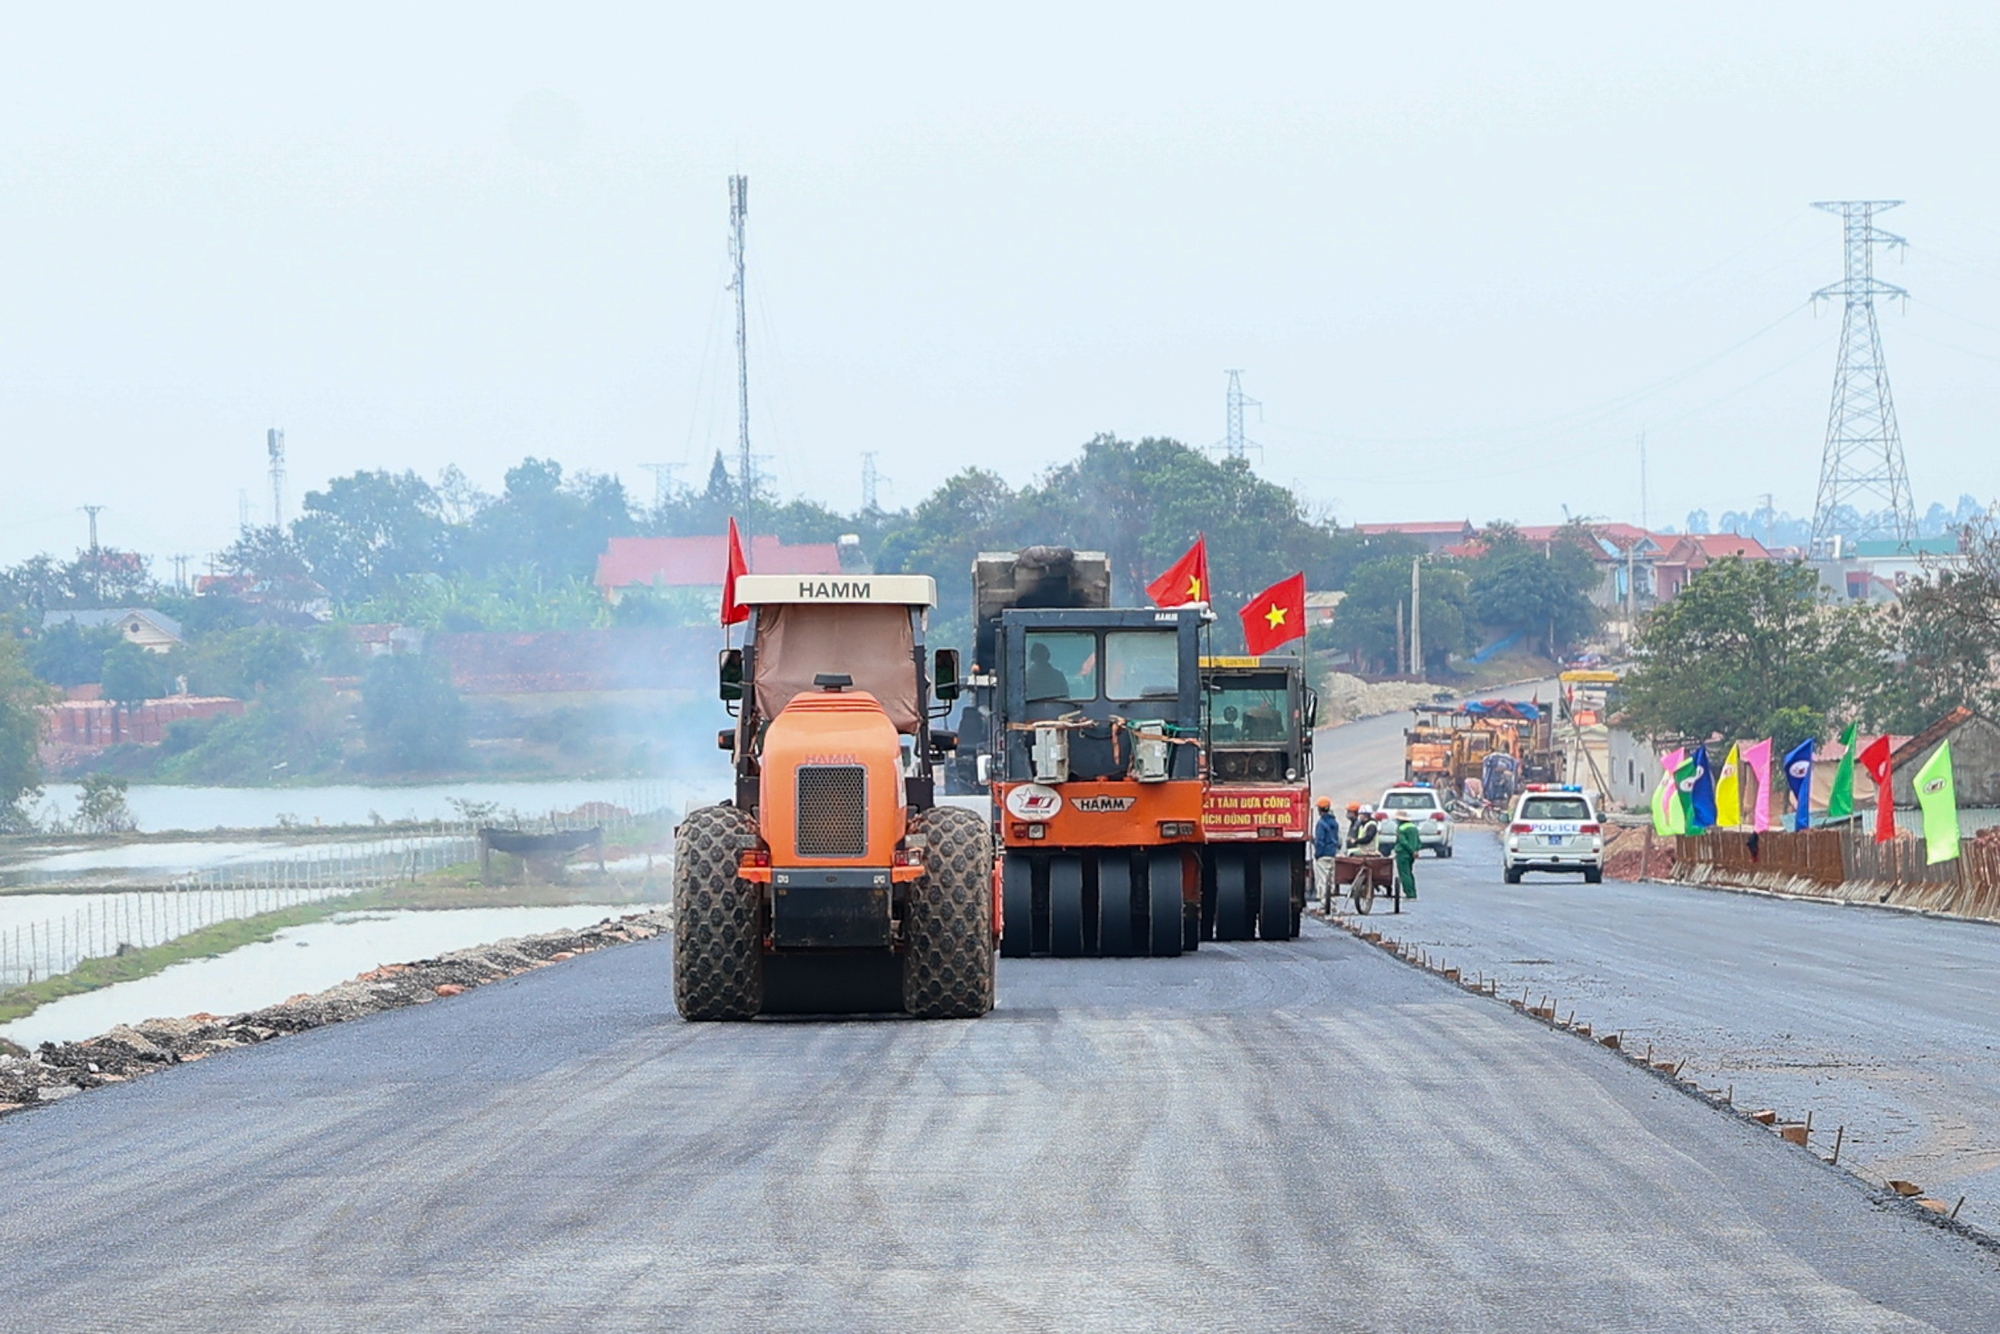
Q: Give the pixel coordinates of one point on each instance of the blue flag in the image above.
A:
(1701, 797)
(1798, 772)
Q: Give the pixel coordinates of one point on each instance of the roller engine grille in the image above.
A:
(833, 810)
(1264, 765)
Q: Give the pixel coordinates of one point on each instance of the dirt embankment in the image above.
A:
(56, 1071)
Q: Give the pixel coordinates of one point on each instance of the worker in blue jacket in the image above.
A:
(1327, 839)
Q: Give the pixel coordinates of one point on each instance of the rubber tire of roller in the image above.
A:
(1017, 907)
(1114, 904)
(1066, 907)
(948, 926)
(718, 920)
(1165, 919)
(1232, 894)
(1274, 894)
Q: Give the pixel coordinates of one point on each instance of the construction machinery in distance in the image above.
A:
(834, 882)
(1091, 755)
(1258, 720)
(1497, 744)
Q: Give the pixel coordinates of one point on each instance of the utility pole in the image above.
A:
(1864, 487)
(96, 565)
(871, 482)
(1235, 444)
(746, 467)
(274, 444)
(1417, 617)
(181, 573)
(1402, 643)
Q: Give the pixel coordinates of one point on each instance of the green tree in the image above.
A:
(20, 731)
(68, 654)
(555, 525)
(413, 719)
(132, 675)
(1366, 622)
(1752, 649)
(1539, 591)
(102, 808)
(369, 529)
(1946, 628)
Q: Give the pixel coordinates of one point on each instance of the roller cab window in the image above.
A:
(1141, 664)
(1062, 665)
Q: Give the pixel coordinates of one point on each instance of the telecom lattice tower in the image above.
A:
(1864, 487)
(871, 482)
(746, 466)
(274, 445)
(1234, 443)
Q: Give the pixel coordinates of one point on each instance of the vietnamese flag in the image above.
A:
(1275, 616)
(732, 611)
(1875, 760)
(1186, 581)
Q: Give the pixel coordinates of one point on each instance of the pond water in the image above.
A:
(302, 959)
(157, 807)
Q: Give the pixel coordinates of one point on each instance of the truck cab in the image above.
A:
(1258, 716)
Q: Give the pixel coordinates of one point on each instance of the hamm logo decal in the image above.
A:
(1104, 805)
(833, 588)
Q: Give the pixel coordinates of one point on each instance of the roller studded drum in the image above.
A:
(718, 920)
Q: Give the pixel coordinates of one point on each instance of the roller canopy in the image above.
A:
(874, 643)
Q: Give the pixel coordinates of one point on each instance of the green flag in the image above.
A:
(1938, 795)
(1841, 804)
(1682, 810)
(1666, 809)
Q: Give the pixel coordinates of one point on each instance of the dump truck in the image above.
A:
(833, 882)
(1091, 757)
(1258, 718)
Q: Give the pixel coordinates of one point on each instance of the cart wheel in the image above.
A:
(1362, 891)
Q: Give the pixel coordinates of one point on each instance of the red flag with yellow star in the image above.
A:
(1186, 581)
(1275, 616)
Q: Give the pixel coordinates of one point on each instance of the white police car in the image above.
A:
(1420, 803)
(1555, 828)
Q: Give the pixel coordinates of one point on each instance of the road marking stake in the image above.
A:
(1956, 1207)
(1839, 1138)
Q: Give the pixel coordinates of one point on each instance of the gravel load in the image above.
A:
(57, 1070)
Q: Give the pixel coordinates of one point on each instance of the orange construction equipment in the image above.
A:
(834, 883)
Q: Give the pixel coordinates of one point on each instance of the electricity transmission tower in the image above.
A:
(1864, 488)
(274, 445)
(663, 481)
(1234, 443)
(746, 466)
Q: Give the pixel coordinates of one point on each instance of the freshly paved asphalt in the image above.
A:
(1884, 1023)
(1306, 1135)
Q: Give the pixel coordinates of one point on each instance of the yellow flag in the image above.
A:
(1729, 792)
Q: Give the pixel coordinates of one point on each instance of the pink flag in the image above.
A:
(1757, 759)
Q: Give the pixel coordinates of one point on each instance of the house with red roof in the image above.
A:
(1435, 536)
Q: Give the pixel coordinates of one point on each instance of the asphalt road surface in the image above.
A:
(1255, 1137)
(1885, 1023)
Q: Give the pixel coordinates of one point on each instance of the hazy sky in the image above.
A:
(1465, 254)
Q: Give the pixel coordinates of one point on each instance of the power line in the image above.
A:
(1864, 485)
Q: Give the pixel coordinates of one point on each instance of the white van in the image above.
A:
(1555, 828)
